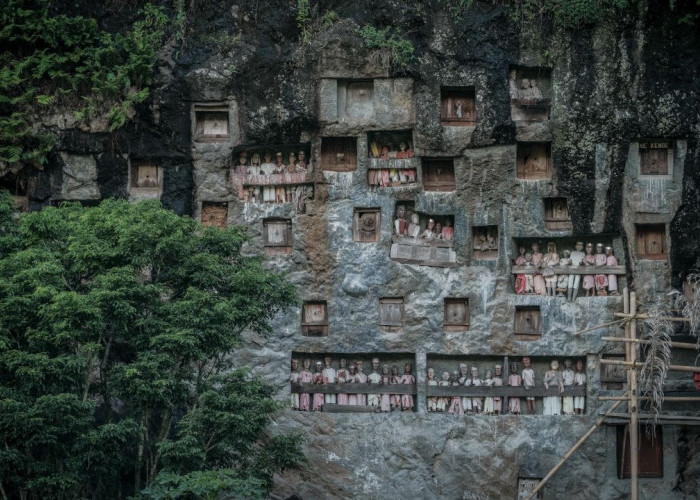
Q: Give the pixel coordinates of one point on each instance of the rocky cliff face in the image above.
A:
(611, 87)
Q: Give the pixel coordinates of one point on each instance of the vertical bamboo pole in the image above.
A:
(633, 409)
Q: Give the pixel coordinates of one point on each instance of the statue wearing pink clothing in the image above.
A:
(407, 378)
(442, 400)
(319, 397)
(537, 279)
(514, 380)
(589, 279)
(395, 379)
(601, 280)
(342, 375)
(456, 401)
(498, 382)
(305, 377)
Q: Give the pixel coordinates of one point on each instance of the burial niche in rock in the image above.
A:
(556, 214)
(458, 106)
(650, 454)
(215, 213)
(613, 377)
(526, 485)
(277, 236)
(356, 100)
(421, 238)
(656, 158)
(534, 160)
(456, 318)
(530, 94)
(485, 242)
(366, 225)
(339, 154)
(211, 122)
(527, 323)
(353, 382)
(314, 318)
(438, 174)
(16, 185)
(651, 241)
(146, 179)
(391, 312)
(392, 162)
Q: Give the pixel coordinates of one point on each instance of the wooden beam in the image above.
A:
(334, 408)
(646, 316)
(604, 325)
(632, 403)
(646, 398)
(636, 364)
(575, 447)
(353, 389)
(680, 345)
(503, 391)
(619, 270)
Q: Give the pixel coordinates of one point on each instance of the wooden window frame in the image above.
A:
(484, 254)
(534, 480)
(447, 97)
(329, 151)
(606, 379)
(222, 204)
(136, 165)
(456, 326)
(550, 222)
(310, 328)
(521, 148)
(645, 150)
(650, 457)
(529, 337)
(199, 115)
(643, 231)
(387, 327)
(428, 164)
(277, 248)
(357, 231)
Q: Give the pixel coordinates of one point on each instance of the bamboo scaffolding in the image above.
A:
(575, 447)
(646, 316)
(601, 326)
(631, 330)
(636, 364)
(680, 345)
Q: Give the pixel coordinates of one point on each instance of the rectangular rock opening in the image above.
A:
(277, 236)
(613, 377)
(355, 382)
(530, 94)
(651, 241)
(534, 160)
(391, 313)
(655, 158)
(527, 325)
(650, 455)
(215, 213)
(314, 318)
(366, 225)
(556, 214)
(438, 174)
(458, 106)
(339, 154)
(356, 99)
(421, 238)
(16, 185)
(526, 485)
(392, 162)
(485, 242)
(211, 123)
(456, 317)
(501, 384)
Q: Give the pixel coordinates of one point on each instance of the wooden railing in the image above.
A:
(352, 388)
(620, 270)
(504, 391)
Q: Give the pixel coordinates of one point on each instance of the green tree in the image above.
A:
(116, 328)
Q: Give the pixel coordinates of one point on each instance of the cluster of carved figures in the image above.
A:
(545, 281)
(293, 164)
(493, 405)
(408, 225)
(399, 173)
(353, 375)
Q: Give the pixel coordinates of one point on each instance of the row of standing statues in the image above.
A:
(552, 405)
(407, 224)
(254, 166)
(545, 281)
(352, 373)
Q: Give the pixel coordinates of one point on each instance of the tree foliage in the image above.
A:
(115, 327)
(70, 62)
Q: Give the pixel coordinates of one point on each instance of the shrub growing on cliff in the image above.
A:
(69, 61)
(389, 42)
(115, 324)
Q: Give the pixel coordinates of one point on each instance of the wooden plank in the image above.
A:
(335, 408)
(504, 391)
(620, 270)
(354, 388)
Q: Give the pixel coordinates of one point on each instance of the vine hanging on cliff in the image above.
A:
(68, 62)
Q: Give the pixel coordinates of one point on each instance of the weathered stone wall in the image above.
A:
(630, 78)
